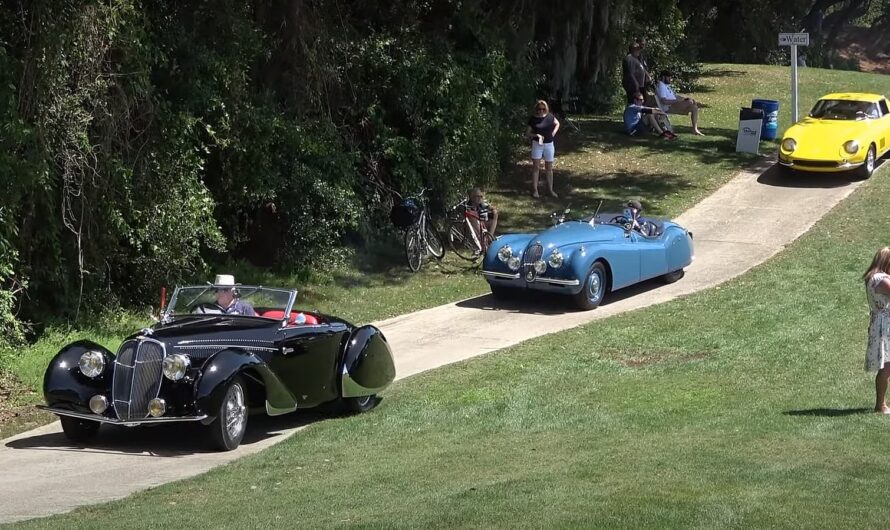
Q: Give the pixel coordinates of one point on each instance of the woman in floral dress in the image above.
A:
(877, 357)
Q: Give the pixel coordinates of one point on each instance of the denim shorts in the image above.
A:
(545, 151)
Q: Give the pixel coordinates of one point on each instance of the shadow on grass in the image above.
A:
(607, 133)
(582, 193)
(830, 413)
(174, 440)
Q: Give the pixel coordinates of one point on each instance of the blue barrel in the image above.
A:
(770, 108)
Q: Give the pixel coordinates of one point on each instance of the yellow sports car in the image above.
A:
(845, 131)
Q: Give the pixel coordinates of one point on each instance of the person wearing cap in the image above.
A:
(632, 211)
(227, 297)
(634, 77)
(639, 118)
(673, 103)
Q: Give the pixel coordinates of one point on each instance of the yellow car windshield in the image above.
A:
(841, 109)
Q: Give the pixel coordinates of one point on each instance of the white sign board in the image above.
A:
(794, 39)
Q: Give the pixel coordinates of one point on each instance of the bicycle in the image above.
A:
(468, 236)
(421, 237)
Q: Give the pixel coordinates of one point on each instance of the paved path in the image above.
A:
(750, 219)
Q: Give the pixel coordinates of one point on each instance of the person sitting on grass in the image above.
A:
(673, 103)
(488, 214)
(639, 119)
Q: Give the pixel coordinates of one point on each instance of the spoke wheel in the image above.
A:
(461, 241)
(487, 240)
(414, 249)
(356, 405)
(594, 288)
(866, 170)
(228, 429)
(433, 242)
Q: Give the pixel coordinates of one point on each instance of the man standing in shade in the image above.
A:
(634, 77)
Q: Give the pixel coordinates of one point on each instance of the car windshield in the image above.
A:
(844, 109)
(207, 298)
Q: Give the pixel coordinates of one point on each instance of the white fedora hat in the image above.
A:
(224, 280)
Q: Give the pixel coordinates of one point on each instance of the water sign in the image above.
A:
(794, 40)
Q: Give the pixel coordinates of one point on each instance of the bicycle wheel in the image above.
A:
(461, 241)
(433, 241)
(414, 250)
(487, 240)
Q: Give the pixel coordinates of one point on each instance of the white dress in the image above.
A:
(878, 351)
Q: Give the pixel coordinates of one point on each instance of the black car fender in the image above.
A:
(368, 365)
(64, 386)
(224, 366)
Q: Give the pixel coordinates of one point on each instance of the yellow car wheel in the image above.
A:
(865, 170)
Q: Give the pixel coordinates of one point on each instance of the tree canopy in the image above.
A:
(142, 138)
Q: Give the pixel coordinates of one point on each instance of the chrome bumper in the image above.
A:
(541, 279)
(841, 165)
(103, 419)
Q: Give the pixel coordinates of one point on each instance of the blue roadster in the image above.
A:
(587, 258)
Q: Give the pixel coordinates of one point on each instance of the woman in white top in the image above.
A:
(877, 356)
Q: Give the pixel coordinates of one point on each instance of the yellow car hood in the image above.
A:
(824, 139)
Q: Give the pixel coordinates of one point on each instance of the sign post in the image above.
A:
(794, 40)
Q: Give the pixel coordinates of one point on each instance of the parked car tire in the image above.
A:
(356, 405)
(868, 168)
(672, 277)
(594, 289)
(78, 430)
(228, 429)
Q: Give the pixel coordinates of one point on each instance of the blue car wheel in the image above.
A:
(594, 289)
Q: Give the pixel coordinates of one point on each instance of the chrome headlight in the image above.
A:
(851, 147)
(788, 144)
(505, 253)
(540, 266)
(175, 366)
(514, 263)
(92, 364)
(555, 260)
(157, 407)
(98, 404)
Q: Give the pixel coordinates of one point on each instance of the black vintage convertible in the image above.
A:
(200, 364)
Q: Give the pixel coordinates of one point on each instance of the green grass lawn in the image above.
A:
(742, 406)
(599, 162)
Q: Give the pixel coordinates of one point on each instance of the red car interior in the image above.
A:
(278, 314)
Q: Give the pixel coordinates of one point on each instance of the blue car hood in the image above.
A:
(578, 232)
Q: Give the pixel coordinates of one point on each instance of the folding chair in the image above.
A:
(667, 120)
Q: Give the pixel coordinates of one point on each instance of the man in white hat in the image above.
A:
(227, 298)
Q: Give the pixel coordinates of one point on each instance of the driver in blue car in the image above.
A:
(227, 297)
(633, 209)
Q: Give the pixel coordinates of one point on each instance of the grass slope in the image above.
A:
(743, 406)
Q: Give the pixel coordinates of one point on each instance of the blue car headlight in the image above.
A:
(505, 253)
(514, 263)
(555, 260)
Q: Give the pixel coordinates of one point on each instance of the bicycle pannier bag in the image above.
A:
(404, 213)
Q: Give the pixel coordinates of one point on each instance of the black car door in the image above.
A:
(307, 362)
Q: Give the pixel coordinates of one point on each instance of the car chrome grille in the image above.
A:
(137, 377)
(532, 254)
